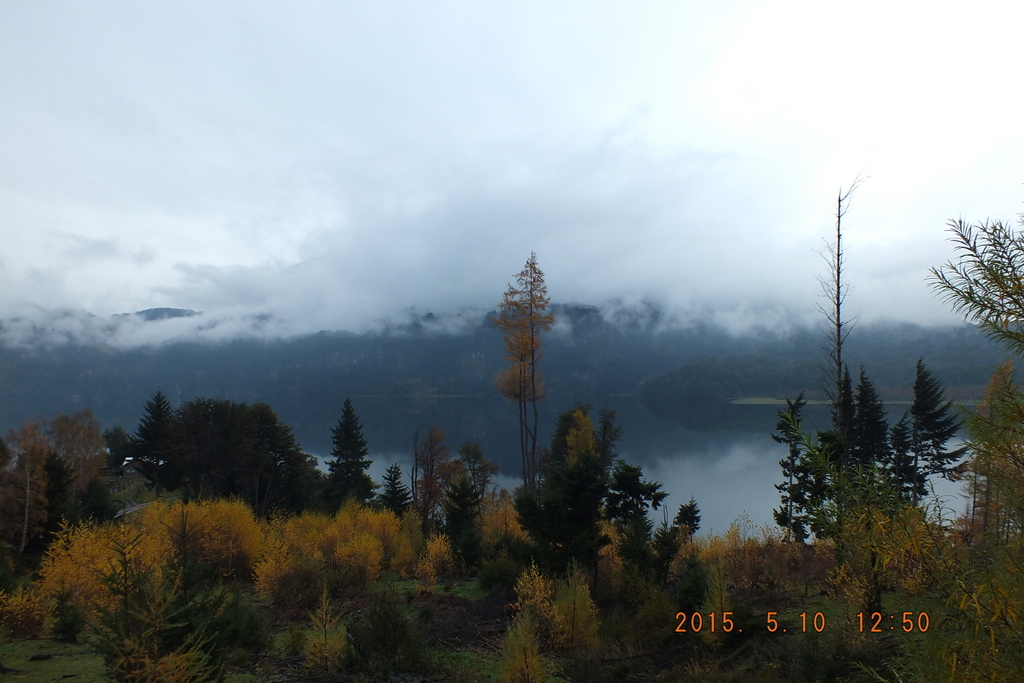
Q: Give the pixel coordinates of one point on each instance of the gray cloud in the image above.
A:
(329, 167)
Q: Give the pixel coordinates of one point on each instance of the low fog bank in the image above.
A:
(36, 327)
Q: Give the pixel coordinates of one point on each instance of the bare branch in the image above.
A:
(834, 291)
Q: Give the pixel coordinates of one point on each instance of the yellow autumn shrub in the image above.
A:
(408, 544)
(311, 534)
(575, 621)
(499, 519)
(79, 557)
(220, 532)
(535, 598)
(72, 567)
(520, 653)
(436, 560)
(358, 560)
(22, 614)
(610, 576)
(382, 525)
(229, 537)
(284, 574)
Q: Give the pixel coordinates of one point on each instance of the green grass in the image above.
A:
(463, 588)
(77, 661)
(466, 588)
(468, 665)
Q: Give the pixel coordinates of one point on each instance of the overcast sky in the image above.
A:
(332, 164)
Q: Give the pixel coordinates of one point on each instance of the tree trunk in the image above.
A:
(28, 502)
(835, 292)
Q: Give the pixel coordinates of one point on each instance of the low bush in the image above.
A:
(387, 640)
(498, 572)
(326, 647)
(692, 586)
(520, 653)
(22, 614)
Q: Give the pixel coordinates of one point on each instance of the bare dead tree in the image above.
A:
(834, 290)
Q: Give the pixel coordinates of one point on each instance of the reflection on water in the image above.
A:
(728, 473)
(726, 478)
(739, 478)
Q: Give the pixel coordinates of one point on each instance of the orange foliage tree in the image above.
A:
(79, 440)
(431, 468)
(78, 558)
(522, 316)
(499, 521)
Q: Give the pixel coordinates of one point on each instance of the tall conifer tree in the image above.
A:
(461, 510)
(347, 477)
(563, 517)
(629, 496)
(394, 494)
(932, 426)
(154, 438)
(902, 466)
(688, 517)
(792, 515)
(869, 429)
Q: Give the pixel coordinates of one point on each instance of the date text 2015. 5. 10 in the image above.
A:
(873, 622)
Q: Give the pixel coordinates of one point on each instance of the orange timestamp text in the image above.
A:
(874, 622)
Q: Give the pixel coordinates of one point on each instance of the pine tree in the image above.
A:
(902, 465)
(629, 496)
(932, 426)
(461, 512)
(607, 435)
(347, 477)
(791, 515)
(869, 429)
(154, 440)
(664, 546)
(394, 494)
(688, 518)
(97, 503)
(221, 448)
(563, 518)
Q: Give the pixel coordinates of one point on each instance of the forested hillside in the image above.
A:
(414, 375)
